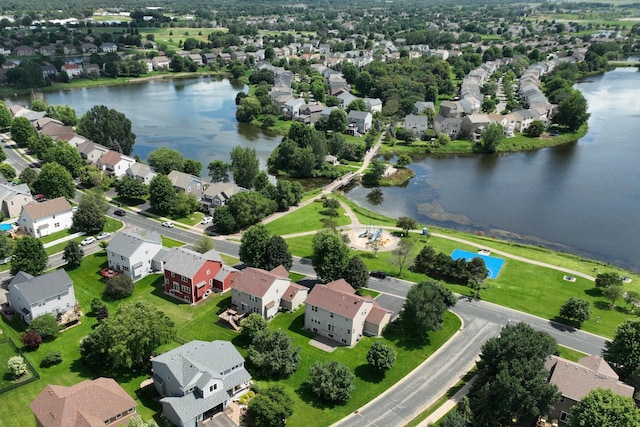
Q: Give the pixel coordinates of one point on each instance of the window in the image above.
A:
(185, 279)
(564, 417)
(331, 327)
(331, 315)
(186, 289)
(131, 410)
(349, 331)
(173, 274)
(56, 225)
(119, 416)
(176, 286)
(314, 308)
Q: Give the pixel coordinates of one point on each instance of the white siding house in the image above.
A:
(43, 218)
(132, 253)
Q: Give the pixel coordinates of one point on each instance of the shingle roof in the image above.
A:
(39, 288)
(89, 403)
(125, 243)
(254, 281)
(110, 158)
(293, 290)
(186, 262)
(336, 301)
(37, 210)
(182, 180)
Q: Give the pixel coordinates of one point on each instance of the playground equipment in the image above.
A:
(375, 236)
(366, 232)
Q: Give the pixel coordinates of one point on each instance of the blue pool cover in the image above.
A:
(493, 264)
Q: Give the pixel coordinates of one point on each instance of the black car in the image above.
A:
(119, 212)
(378, 274)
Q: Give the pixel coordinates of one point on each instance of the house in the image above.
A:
(90, 70)
(141, 172)
(32, 296)
(23, 50)
(576, 379)
(374, 105)
(291, 108)
(108, 47)
(95, 403)
(361, 119)
(48, 50)
(472, 125)
(147, 64)
(447, 125)
(187, 183)
(43, 218)
(255, 290)
(160, 62)
(219, 193)
(49, 71)
(132, 253)
(89, 48)
(13, 198)
(416, 124)
(451, 109)
(72, 70)
(421, 107)
(336, 312)
(188, 275)
(91, 152)
(114, 163)
(346, 98)
(197, 380)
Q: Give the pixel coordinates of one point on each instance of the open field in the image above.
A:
(308, 218)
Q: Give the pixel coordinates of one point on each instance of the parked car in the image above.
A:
(88, 241)
(119, 212)
(378, 274)
(103, 235)
(167, 224)
(206, 220)
(39, 197)
(74, 209)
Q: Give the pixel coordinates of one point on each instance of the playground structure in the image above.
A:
(370, 235)
(373, 238)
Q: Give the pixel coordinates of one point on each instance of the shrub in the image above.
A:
(17, 366)
(46, 325)
(120, 286)
(51, 358)
(31, 339)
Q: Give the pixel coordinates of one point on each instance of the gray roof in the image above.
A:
(186, 262)
(224, 272)
(140, 169)
(34, 289)
(189, 407)
(125, 243)
(358, 115)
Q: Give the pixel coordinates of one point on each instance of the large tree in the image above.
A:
(90, 216)
(273, 354)
(249, 207)
(245, 166)
(277, 253)
(5, 117)
(22, 130)
(46, 325)
(219, 171)
(330, 255)
(120, 286)
(163, 160)
(623, 352)
(270, 408)
(512, 383)
(381, 356)
(605, 280)
(253, 245)
(491, 136)
(29, 256)
(73, 254)
(6, 246)
(576, 309)
(602, 407)
(131, 188)
(162, 195)
(331, 381)
(424, 308)
(356, 273)
(572, 111)
(66, 155)
(54, 181)
(128, 337)
(108, 127)
(252, 325)
(406, 223)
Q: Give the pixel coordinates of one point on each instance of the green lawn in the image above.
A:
(8, 351)
(571, 354)
(308, 218)
(170, 243)
(111, 226)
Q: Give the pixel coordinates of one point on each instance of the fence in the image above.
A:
(34, 374)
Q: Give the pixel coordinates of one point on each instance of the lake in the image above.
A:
(582, 198)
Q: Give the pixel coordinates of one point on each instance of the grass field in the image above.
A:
(308, 218)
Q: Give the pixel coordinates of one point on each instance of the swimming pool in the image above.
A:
(5, 227)
(493, 264)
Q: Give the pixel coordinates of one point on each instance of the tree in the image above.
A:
(381, 356)
(66, 155)
(277, 253)
(224, 221)
(54, 181)
(603, 407)
(273, 354)
(613, 293)
(330, 255)
(270, 408)
(6, 246)
(5, 117)
(7, 171)
(73, 254)
(90, 216)
(162, 195)
(192, 167)
(331, 381)
(461, 417)
(623, 352)
(164, 160)
(131, 188)
(576, 309)
(512, 383)
(572, 111)
(28, 175)
(17, 366)
(424, 308)
(137, 421)
(64, 113)
(337, 121)
(245, 166)
(491, 137)
(406, 223)
(401, 254)
(249, 207)
(253, 245)
(252, 325)
(184, 205)
(364, 83)
(119, 286)
(403, 160)
(22, 130)
(204, 244)
(29, 256)
(356, 273)
(219, 171)
(46, 325)
(128, 337)
(605, 280)
(357, 105)
(535, 129)
(31, 339)
(107, 127)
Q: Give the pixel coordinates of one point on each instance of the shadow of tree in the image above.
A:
(594, 292)
(602, 305)
(395, 333)
(306, 394)
(367, 373)
(562, 324)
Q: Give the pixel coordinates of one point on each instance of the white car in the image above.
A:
(167, 224)
(103, 235)
(206, 220)
(88, 241)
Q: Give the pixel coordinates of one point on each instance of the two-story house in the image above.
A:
(197, 380)
(132, 254)
(72, 70)
(160, 63)
(336, 312)
(43, 218)
(374, 105)
(191, 276)
(13, 198)
(416, 124)
(255, 290)
(219, 193)
(141, 172)
(109, 47)
(90, 151)
(361, 119)
(96, 403)
(187, 183)
(114, 163)
(31, 296)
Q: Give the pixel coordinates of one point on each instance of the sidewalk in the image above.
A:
(64, 239)
(447, 406)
